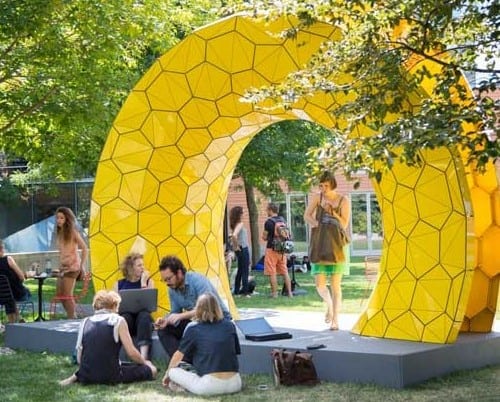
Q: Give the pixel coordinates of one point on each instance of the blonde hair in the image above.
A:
(127, 264)
(207, 308)
(106, 299)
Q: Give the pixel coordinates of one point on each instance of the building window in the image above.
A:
(366, 224)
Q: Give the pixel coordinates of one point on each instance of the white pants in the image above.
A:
(206, 385)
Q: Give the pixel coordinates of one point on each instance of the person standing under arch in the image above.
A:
(239, 238)
(328, 214)
(274, 261)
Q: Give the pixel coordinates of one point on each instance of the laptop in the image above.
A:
(259, 330)
(135, 300)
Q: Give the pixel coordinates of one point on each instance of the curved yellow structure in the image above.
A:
(163, 178)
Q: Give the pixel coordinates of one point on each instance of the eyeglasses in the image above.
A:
(168, 278)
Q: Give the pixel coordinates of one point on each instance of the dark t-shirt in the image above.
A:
(269, 228)
(100, 358)
(124, 284)
(214, 346)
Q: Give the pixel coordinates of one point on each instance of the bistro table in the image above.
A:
(40, 278)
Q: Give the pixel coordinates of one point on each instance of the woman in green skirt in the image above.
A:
(328, 214)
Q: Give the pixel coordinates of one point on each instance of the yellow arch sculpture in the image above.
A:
(163, 178)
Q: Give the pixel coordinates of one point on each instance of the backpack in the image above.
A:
(282, 239)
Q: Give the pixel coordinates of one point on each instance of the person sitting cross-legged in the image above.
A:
(98, 347)
(212, 345)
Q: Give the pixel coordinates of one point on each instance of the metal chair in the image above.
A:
(76, 297)
(372, 264)
(6, 296)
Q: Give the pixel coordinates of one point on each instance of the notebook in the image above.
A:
(259, 330)
(135, 300)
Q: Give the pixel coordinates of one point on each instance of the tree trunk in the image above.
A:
(253, 214)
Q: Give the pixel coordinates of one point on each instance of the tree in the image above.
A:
(67, 66)
(279, 152)
(378, 41)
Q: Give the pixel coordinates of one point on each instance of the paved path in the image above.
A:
(308, 320)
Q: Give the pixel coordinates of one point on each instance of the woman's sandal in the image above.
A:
(334, 326)
(328, 316)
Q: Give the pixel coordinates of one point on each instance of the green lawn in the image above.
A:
(28, 376)
(353, 285)
(354, 288)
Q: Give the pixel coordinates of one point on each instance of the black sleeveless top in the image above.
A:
(100, 362)
(15, 283)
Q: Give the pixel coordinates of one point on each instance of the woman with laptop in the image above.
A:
(211, 343)
(140, 323)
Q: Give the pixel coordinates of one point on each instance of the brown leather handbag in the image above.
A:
(293, 368)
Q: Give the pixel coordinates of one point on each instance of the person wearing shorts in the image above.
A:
(69, 241)
(274, 261)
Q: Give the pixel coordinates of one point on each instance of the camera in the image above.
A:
(288, 247)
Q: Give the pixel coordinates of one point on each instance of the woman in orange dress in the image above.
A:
(70, 266)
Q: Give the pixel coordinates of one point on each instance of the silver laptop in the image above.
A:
(259, 330)
(135, 300)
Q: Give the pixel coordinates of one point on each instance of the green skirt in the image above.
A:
(330, 269)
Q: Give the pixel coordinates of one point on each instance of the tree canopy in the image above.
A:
(280, 152)
(379, 41)
(67, 66)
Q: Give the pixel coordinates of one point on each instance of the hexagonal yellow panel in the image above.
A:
(163, 178)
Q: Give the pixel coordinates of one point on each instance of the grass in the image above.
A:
(30, 376)
(49, 290)
(353, 288)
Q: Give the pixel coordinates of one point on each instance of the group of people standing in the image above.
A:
(328, 215)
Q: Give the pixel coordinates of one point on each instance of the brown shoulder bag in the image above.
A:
(293, 368)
